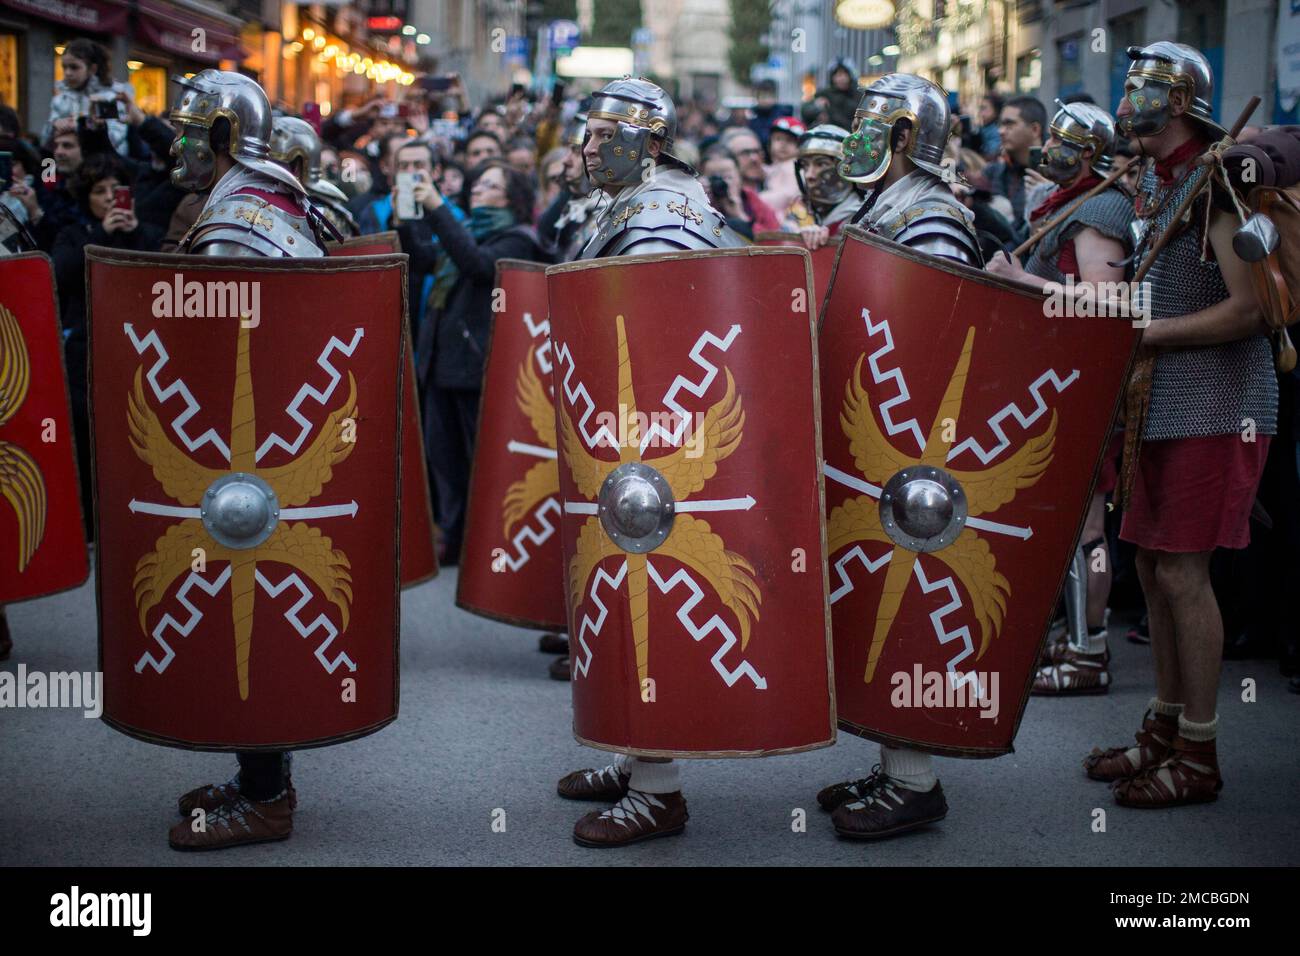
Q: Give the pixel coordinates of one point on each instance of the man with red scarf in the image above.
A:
(1087, 246)
(1204, 409)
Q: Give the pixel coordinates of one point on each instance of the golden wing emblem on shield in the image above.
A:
(298, 545)
(21, 481)
(910, 484)
(691, 542)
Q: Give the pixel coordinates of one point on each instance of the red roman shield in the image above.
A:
(823, 258)
(247, 472)
(964, 430)
(686, 416)
(42, 543)
(511, 566)
(419, 553)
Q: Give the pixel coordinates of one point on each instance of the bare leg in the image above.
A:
(1094, 529)
(1184, 579)
(1164, 647)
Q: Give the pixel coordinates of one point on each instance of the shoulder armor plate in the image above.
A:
(255, 223)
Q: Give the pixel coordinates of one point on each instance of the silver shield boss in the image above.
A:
(636, 507)
(240, 510)
(923, 508)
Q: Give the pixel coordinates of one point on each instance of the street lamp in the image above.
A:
(864, 14)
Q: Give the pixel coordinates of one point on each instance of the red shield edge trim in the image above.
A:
(253, 672)
(953, 340)
(419, 546)
(715, 334)
(42, 537)
(511, 567)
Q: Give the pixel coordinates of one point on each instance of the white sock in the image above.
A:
(910, 769)
(1164, 708)
(1190, 730)
(654, 777)
(1095, 643)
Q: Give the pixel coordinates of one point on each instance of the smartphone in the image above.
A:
(107, 109)
(1035, 156)
(404, 110)
(122, 197)
(435, 84)
(6, 171)
(407, 209)
(557, 92)
(311, 113)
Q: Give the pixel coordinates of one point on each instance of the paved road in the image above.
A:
(482, 727)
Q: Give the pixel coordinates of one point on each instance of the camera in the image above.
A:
(107, 109)
(718, 190)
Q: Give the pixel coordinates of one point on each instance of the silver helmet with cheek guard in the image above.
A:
(293, 141)
(1158, 68)
(641, 110)
(1079, 126)
(868, 151)
(218, 94)
(829, 188)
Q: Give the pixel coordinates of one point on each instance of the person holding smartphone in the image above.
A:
(1021, 126)
(454, 333)
(88, 89)
(108, 219)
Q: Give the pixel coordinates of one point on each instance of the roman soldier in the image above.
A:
(295, 145)
(654, 204)
(900, 129)
(255, 208)
(571, 221)
(1089, 246)
(1202, 403)
(827, 200)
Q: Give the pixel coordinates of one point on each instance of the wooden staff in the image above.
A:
(1116, 173)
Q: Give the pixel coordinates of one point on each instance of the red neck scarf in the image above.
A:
(1189, 150)
(1062, 195)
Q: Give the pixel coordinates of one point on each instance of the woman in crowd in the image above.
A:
(454, 335)
(105, 224)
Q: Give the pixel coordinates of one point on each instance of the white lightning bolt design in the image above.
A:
(683, 417)
(602, 436)
(995, 423)
(962, 633)
(305, 630)
(594, 626)
(894, 374)
(542, 328)
(307, 391)
(182, 629)
(872, 567)
(715, 623)
(178, 387)
(550, 505)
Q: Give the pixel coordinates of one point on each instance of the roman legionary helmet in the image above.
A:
(641, 110)
(576, 131)
(828, 188)
(294, 140)
(1079, 126)
(217, 94)
(895, 96)
(1156, 69)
